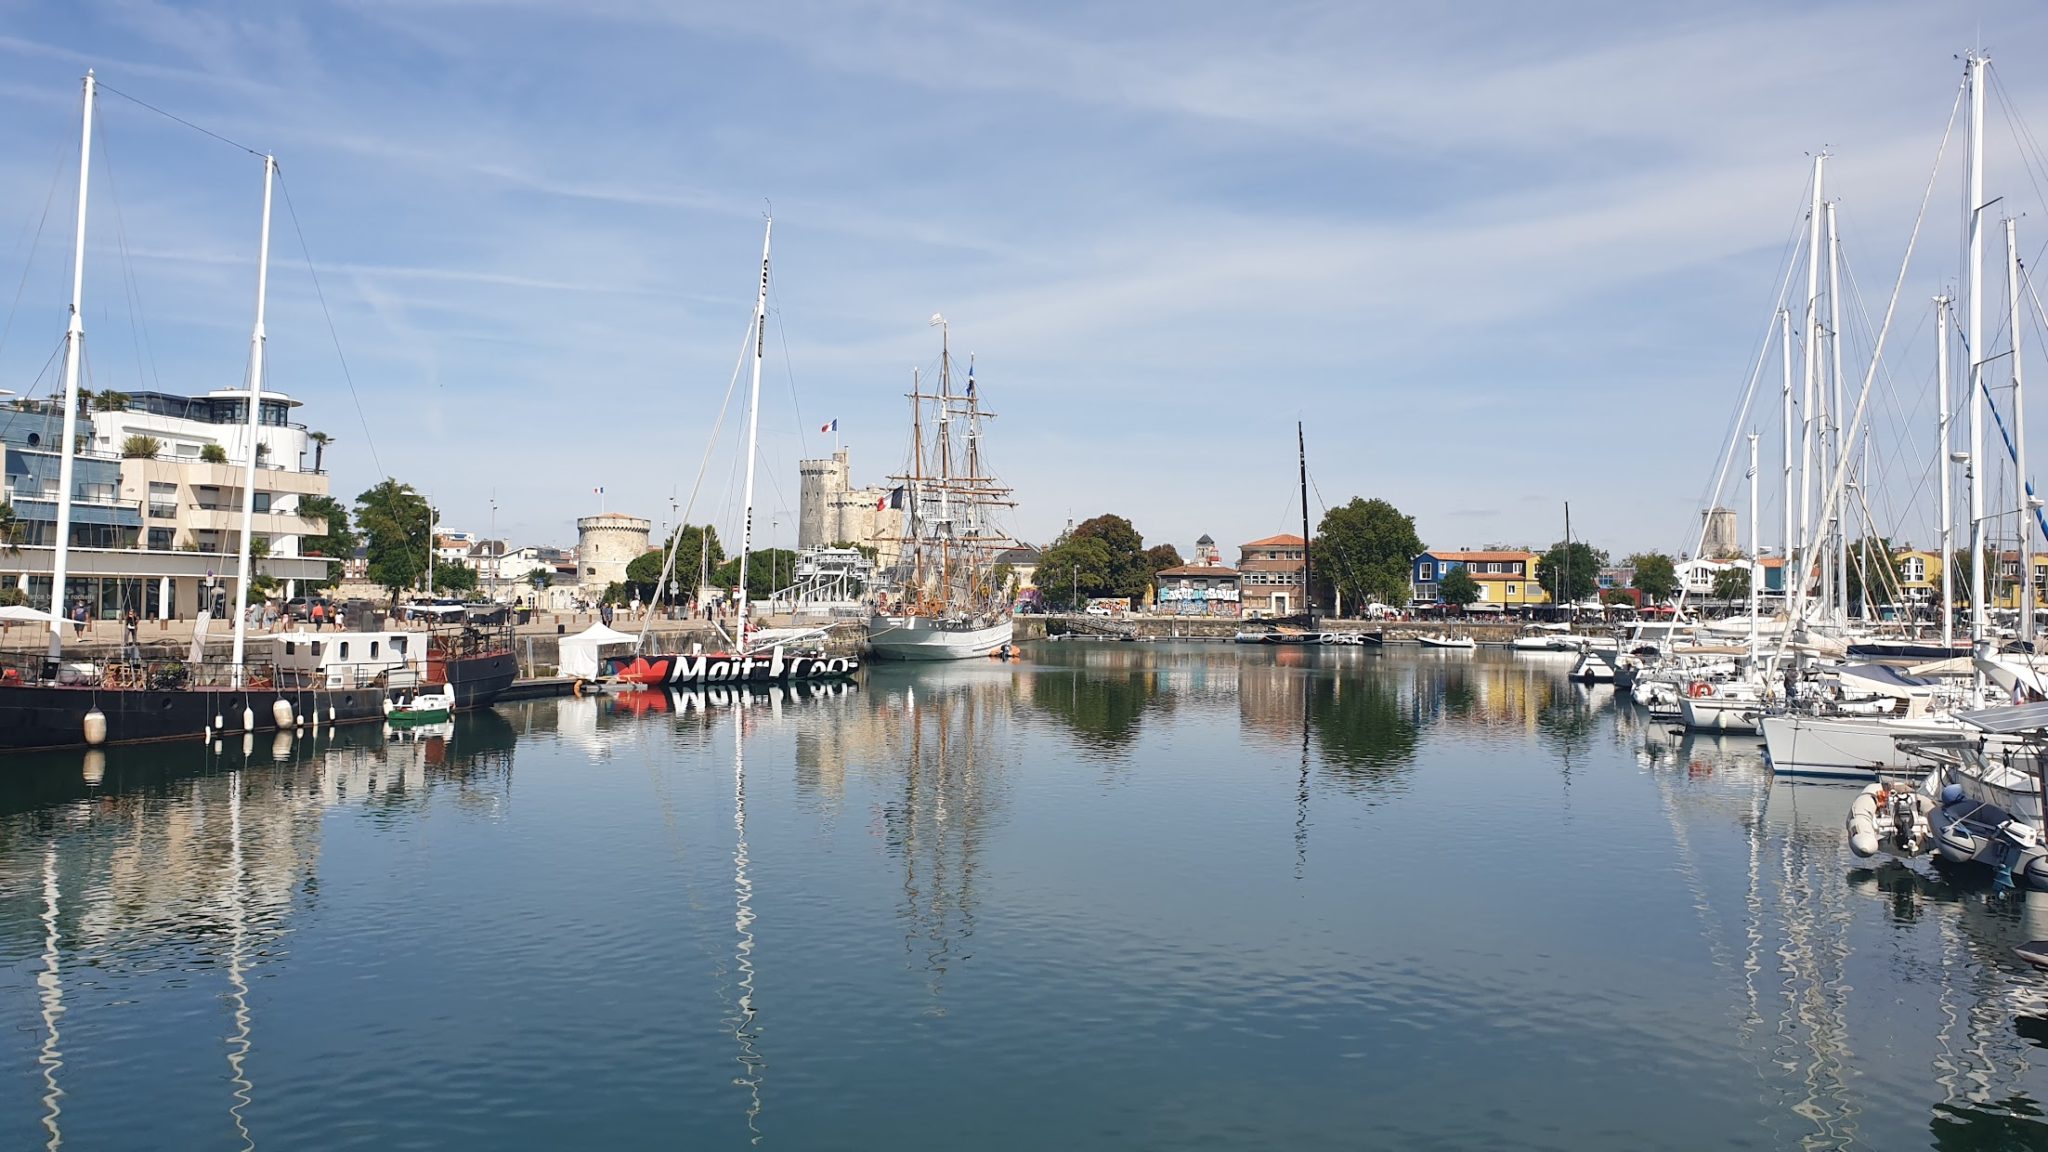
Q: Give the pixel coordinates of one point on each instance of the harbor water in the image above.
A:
(1116, 895)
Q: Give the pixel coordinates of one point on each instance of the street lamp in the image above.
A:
(1075, 604)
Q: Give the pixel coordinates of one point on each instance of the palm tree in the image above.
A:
(141, 447)
(108, 400)
(320, 442)
(214, 454)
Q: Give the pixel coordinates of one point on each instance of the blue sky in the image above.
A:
(1496, 259)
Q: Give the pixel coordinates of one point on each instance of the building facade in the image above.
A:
(156, 513)
(1271, 575)
(1506, 578)
(1196, 590)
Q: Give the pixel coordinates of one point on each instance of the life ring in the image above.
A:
(1699, 688)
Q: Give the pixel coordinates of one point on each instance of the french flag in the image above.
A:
(832, 427)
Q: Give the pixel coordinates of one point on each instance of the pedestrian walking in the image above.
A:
(78, 616)
(319, 613)
(129, 625)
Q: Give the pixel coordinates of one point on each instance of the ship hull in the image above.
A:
(36, 716)
(477, 680)
(679, 671)
(922, 638)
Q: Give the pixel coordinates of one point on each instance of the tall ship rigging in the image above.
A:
(948, 603)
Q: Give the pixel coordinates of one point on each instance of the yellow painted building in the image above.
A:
(1506, 579)
(2006, 594)
(1919, 573)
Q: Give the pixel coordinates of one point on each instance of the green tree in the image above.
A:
(1457, 588)
(540, 578)
(394, 521)
(643, 575)
(1364, 549)
(768, 570)
(697, 553)
(10, 529)
(338, 540)
(109, 400)
(141, 448)
(1731, 584)
(1569, 575)
(1884, 572)
(1073, 569)
(213, 454)
(450, 577)
(1130, 569)
(1160, 557)
(1656, 576)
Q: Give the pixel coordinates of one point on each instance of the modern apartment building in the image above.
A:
(156, 524)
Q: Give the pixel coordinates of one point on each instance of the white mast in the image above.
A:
(1975, 273)
(753, 429)
(1808, 386)
(1785, 355)
(1945, 469)
(1837, 445)
(255, 429)
(2019, 434)
(74, 342)
(1755, 557)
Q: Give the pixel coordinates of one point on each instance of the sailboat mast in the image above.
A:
(1973, 210)
(945, 452)
(2019, 436)
(1755, 556)
(753, 431)
(74, 344)
(1785, 357)
(917, 494)
(1945, 468)
(1837, 445)
(1564, 585)
(256, 338)
(1308, 585)
(1812, 376)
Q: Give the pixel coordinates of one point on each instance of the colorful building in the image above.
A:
(1506, 578)
(1196, 590)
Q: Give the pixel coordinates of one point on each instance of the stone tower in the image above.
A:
(831, 511)
(605, 544)
(1720, 538)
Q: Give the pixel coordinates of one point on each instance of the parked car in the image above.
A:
(1097, 610)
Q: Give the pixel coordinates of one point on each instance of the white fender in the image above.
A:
(248, 719)
(95, 727)
(281, 712)
(1863, 821)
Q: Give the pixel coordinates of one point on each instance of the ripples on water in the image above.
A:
(1117, 896)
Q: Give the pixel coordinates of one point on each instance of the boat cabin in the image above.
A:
(351, 659)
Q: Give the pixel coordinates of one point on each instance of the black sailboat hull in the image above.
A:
(52, 716)
(478, 680)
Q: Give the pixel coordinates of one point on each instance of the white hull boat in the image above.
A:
(1726, 706)
(1460, 643)
(1848, 747)
(925, 638)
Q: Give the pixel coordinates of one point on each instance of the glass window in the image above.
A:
(343, 652)
(373, 649)
(263, 502)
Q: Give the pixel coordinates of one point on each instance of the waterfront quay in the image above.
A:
(1040, 627)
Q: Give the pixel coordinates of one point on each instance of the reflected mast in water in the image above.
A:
(238, 1044)
(50, 986)
(750, 1060)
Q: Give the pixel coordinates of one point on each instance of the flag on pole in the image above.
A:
(597, 491)
(832, 427)
(970, 377)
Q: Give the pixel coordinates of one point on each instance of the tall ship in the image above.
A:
(949, 602)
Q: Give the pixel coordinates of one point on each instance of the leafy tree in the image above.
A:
(213, 454)
(12, 597)
(691, 542)
(10, 529)
(141, 447)
(452, 577)
(1073, 569)
(1163, 556)
(768, 570)
(1365, 548)
(1571, 574)
(1731, 584)
(1960, 566)
(1884, 571)
(1656, 576)
(1616, 596)
(336, 544)
(1457, 588)
(108, 400)
(394, 521)
(1129, 571)
(540, 578)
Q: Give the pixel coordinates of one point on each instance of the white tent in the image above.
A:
(578, 653)
(17, 614)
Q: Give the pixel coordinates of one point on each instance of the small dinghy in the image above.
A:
(1975, 831)
(1465, 643)
(2034, 952)
(422, 708)
(1888, 819)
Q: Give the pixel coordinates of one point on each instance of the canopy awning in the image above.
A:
(577, 655)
